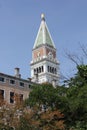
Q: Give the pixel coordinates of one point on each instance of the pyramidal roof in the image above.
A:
(43, 36)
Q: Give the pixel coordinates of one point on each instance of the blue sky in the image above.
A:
(19, 23)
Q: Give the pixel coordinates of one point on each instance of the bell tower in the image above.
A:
(44, 64)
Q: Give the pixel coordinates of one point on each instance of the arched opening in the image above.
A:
(42, 69)
(48, 69)
(55, 71)
(39, 69)
(34, 71)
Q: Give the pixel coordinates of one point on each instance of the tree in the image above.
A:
(77, 99)
(44, 94)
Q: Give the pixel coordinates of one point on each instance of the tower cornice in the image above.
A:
(44, 59)
(44, 45)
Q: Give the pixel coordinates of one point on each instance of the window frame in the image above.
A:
(3, 81)
(12, 94)
(12, 83)
(21, 83)
(2, 93)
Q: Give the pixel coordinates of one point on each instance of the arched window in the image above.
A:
(34, 71)
(42, 69)
(48, 68)
(39, 69)
(55, 71)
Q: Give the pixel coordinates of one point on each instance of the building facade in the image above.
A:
(44, 64)
(13, 87)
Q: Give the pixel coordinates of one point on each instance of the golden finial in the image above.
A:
(43, 16)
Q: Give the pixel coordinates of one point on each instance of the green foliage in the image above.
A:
(46, 94)
(64, 105)
(80, 79)
(42, 94)
(76, 94)
(71, 101)
(24, 124)
(82, 71)
(80, 125)
(5, 127)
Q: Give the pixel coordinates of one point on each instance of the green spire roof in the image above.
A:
(43, 36)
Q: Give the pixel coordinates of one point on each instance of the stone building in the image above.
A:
(14, 86)
(44, 68)
(44, 64)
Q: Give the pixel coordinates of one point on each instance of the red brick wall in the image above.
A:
(53, 52)
(39, 50)
(42, 51)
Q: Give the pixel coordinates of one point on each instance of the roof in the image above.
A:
(13, 77)
(43, 36)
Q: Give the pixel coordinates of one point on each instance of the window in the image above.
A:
(39, 69)
(11, 97)
(1, 94)
(35, 71)
(29, 85)
(21, 98)
(2, 79)
(52, 69)
(21, 84)
(55, 71)
(48, 68)
(12, 81)
(42, 69)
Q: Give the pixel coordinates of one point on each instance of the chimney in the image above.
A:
(17, 73)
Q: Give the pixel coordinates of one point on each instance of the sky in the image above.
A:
(19, 24)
